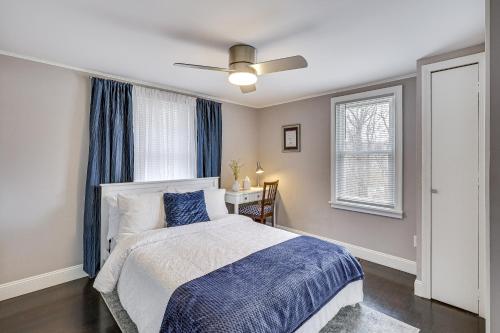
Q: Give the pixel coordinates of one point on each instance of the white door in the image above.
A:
(455, 187)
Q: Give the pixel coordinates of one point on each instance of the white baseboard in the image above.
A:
(377, 257)
(420, 288)
(42, 281)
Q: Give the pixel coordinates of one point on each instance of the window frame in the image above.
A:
(397, 211)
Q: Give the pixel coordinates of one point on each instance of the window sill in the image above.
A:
(393, 213)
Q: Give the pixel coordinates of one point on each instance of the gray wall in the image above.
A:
(239, 141)
(305, 176)
(43, 155)
(494, 56)
(43, 160)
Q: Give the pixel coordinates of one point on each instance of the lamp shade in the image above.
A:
(259, 168)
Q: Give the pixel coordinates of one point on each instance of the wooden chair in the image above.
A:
(260, 211)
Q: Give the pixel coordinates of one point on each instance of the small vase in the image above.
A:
(246, 183)
(236, 186)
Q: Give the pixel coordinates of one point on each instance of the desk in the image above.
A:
(243, 196)
(246, 196)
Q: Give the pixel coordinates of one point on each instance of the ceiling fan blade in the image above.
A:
(279, 65)
(248, 89)
(210, 68)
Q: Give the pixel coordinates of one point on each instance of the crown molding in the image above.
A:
(344, 89)
(123, 79)
(197, 94)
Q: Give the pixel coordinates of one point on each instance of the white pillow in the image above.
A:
(216, 203)
(140, 212)
(113, 217)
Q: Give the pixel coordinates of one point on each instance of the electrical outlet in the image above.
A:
(414, 240)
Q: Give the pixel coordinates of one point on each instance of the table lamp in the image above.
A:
(258, 172)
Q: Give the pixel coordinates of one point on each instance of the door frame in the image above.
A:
(423, 286)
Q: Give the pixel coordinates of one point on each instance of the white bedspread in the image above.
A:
(147, 268)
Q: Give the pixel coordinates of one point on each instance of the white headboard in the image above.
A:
(145, 187)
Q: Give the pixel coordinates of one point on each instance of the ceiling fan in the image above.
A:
(244, 68)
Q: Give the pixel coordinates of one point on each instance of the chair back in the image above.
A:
(269, 193)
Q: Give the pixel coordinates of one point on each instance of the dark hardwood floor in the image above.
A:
(76, 307)
(391, 292)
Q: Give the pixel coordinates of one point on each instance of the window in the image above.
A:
(367, 152)
(164, 135)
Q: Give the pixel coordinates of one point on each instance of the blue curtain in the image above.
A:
(209, 138)
(111, 157)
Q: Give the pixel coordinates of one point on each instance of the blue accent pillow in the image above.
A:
(184, 208)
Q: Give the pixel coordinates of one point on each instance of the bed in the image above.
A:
(158, 273)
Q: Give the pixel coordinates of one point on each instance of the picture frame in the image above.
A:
(290, 138)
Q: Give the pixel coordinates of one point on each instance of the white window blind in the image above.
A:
(367, 159)
(164, 135)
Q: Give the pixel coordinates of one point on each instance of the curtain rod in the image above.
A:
(149, 85)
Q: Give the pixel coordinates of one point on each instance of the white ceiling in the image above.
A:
(346, 42)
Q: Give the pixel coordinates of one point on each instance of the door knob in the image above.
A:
(434, 191)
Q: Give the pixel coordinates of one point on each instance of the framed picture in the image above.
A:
(291, 138)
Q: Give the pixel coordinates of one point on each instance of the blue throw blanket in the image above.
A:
(273, 290)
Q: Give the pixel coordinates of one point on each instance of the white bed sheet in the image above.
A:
(147, 268)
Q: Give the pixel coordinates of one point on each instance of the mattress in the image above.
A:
(147, 268)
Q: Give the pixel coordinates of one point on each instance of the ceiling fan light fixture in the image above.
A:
(243, 67)
(242, 78)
